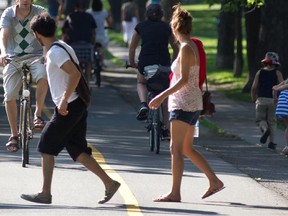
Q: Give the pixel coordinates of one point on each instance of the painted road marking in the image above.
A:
(129, 198)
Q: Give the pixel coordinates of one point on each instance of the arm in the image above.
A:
(255, 87)
(281, 83)
(4, 34)
(132, 49)
(74, 77)
(186, 58)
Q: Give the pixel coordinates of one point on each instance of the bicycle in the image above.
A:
(157, 77)
(26, 125)
(85, 54)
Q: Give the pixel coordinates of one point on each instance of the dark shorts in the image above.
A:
(188, 117)
(66, 132)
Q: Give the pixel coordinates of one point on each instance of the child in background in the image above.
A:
(261, 94)
(282, 108)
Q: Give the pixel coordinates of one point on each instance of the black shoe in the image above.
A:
(272, 145)
(143, 112)
(165, 135)
(264, 137)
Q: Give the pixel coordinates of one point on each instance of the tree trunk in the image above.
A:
(167, 8)
(115, 7)
(238, 61)
(226, 35)
(252, 24)
(274, 32)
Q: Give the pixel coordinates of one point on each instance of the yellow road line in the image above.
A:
(129, 198)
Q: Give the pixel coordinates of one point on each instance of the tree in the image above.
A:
(226, 35)
(167, 8)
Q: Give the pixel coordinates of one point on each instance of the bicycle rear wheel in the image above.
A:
(97, 69)
(24, 131)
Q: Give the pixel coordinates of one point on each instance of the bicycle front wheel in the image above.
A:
(24, 131)
(156, 128)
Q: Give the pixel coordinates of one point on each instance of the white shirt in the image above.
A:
(57, 78)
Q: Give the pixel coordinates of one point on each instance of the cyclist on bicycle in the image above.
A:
(17, 40)
(101, 17)
(155, 36)
(79, 27)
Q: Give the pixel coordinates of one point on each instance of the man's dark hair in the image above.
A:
(43, 24)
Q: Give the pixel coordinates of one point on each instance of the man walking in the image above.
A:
(67, 127)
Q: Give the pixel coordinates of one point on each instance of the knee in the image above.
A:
(43, 82)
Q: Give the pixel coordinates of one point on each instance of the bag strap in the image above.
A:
(60, 45)
(206, 84)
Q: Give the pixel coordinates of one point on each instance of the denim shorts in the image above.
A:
(188, 117)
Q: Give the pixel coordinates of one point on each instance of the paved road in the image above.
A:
(122, 141)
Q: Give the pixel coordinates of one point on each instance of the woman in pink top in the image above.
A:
(185, 104)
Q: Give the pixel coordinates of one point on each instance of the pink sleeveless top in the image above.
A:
(189, 97)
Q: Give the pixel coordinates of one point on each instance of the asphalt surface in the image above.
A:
(255, 177)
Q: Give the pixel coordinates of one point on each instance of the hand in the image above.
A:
(3, 60)
(155, 102)
(62, 108)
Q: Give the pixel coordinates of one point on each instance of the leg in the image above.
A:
(111, 186)
(11, 111)
(11, 84)
(178, 132)
(91, 164)
(261, 119)
(141, 88)
(200, 162)
(47, 169)
(142, 93)
(41, 92)
(285, 149)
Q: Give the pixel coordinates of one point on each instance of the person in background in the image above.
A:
(130, 18)
(185, 105)
(80, 27)
(154, 50)
(18, 42)
(55, 8)
(69, 6)
(101, 18)
(282, 108)
(67, 127)
(261, 94)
